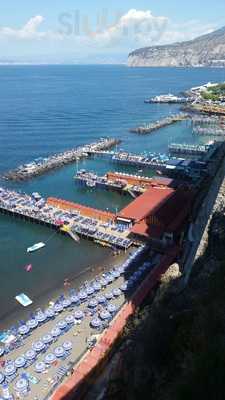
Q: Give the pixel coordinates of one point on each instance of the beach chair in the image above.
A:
(10, 378)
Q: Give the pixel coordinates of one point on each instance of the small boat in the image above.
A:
(35, 247)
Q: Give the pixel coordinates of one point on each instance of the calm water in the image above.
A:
(46, 109)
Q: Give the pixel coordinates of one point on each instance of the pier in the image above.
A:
(120, 182)
(73, 219)
(189, 149)
(43, 165)
(208, 125)
(148, 128)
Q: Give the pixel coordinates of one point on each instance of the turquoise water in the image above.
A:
(46, 109)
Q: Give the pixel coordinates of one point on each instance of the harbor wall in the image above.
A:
(89, 368)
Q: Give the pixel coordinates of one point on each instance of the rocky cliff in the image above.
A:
(207, 50)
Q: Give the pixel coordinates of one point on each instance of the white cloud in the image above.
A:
(28, 31)
(134, 29)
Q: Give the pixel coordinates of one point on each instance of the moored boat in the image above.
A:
(35, 247)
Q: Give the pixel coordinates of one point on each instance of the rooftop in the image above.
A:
(146, 204)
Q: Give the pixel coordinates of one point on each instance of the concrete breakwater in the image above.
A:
(148, 128)
(43, 165)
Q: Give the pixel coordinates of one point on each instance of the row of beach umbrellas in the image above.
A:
(40, 317)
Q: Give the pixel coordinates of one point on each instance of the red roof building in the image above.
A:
(145, 204)
(158, 213)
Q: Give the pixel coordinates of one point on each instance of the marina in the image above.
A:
(57, 350)
(151, 127)
(43, 165)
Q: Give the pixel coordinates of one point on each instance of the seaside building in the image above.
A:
(158, 215)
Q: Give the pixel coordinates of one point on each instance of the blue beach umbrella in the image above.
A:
(116, 292)
(32, 323)
(111, 308)
(40, 366)
(69, 319)
(10, 369)
(109, 295)
(58, 307)
(59, 351)
(49, 312)
(101, 299)
(20, 362)
(95, 323)
(38, 346)
(97, 286)
(74, 299)
(50, 358)
(62, 324)
(23, 329)
(41, 317)
(79, 314)
(30, 354)
(67, 345)
(89, 290)
(47, 338)
(92, 303)
(55, 332)
(21, 385)
(66, 303)
(105, 315)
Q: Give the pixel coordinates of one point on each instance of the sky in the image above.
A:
(90, 31)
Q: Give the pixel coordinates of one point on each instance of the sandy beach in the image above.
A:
(76, 280)
(77, 335)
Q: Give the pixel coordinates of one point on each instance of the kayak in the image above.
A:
(35, 247)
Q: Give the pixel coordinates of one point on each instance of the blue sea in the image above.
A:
(48, 109)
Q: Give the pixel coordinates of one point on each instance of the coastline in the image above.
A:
(76, 281)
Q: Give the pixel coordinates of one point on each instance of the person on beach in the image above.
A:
(67, 283)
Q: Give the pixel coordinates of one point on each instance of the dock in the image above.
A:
(148, 128)
(133, 185)
(208, 125)
(189, 149)
(73, 219)
(43, 165)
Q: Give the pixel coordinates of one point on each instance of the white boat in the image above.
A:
(35, 247)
